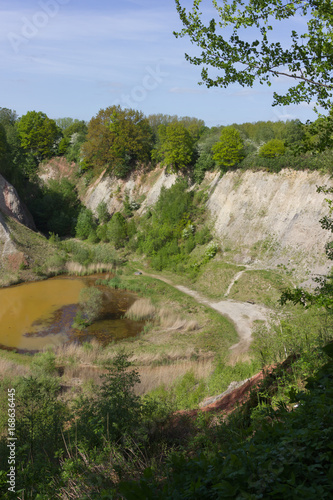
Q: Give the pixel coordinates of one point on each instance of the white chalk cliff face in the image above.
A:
(279, 213)
(10, 205)
(112, 190)
(264, 218)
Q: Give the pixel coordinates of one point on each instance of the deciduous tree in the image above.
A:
(38, 134)
(118, 139)
(272, 148)
(230, 149)
(176, 146)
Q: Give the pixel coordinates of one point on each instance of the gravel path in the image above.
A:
(242, 314)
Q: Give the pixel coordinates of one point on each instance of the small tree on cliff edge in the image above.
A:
(230, 149)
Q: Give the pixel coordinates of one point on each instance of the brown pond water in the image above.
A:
(35, 315)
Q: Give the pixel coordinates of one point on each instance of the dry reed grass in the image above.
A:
(79, 269)
(81, 375)
(86, 354)
(152, 377)
(172, 354)
(142, 309)
(171, 321)
(11, 369)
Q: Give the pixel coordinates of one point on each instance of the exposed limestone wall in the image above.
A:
(263, 218)
(271, 217)
(112, 190)
(7, 247)
(11, 205)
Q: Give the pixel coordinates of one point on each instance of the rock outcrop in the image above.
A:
(264, 218)
(271, 217)
(11, 205)
(144, 187)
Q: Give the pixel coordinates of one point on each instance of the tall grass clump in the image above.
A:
(171, 321)
(82, 270)
(142, 309)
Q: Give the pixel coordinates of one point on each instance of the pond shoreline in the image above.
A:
(29, 321)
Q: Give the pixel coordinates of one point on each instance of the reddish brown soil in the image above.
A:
(58, 168)
(230, 401)
(15, 261)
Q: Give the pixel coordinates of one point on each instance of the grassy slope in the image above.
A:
(264, 286)
(37, 251)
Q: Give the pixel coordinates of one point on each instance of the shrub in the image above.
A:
(203, 236)
(103, 213)
(102, 232)
(211, 250)
(85, 224)
(204, 163)
(230, 149)
(43, 363)
(117, 230)
(91, 301)
(115, 411)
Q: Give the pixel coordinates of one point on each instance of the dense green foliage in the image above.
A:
(176, 146)
(85, 225)
(228, 152)
(289, 455)
(39, 134)
(117, 230)
(167, 234)
(272, 148)
(117, 139)
(55, 207)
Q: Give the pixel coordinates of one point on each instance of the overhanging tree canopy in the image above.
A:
(243, 44)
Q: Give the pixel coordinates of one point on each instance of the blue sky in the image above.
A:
(75, 57)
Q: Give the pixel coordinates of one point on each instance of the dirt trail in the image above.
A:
(242, 314)
(234, 279)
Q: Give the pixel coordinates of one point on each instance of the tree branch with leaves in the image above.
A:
(241, 44)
